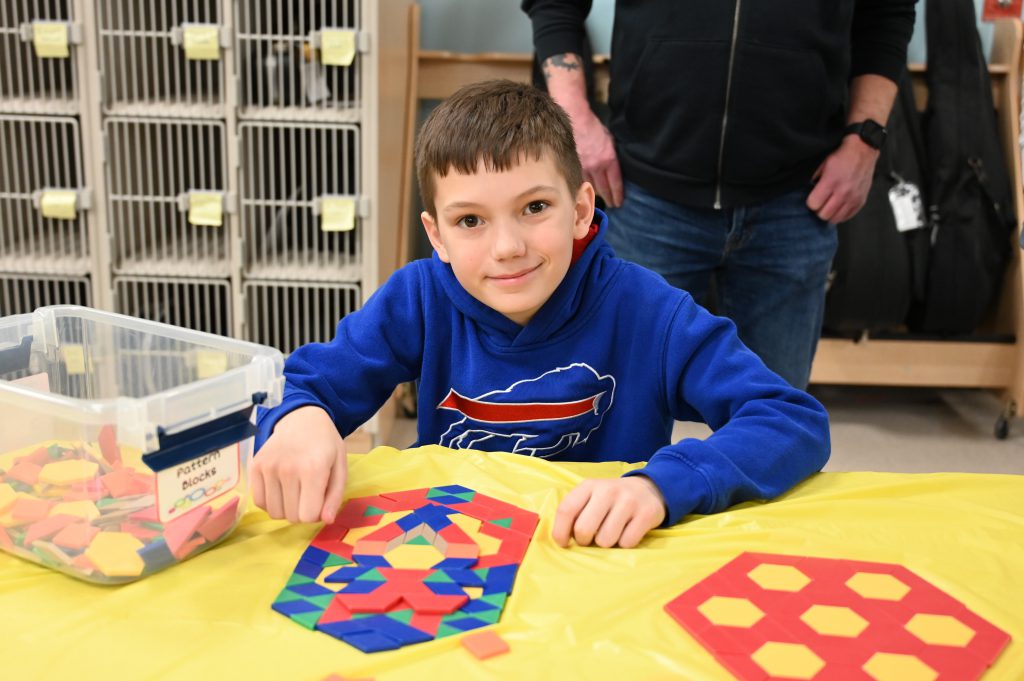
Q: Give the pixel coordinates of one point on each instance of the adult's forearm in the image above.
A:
(871, 96)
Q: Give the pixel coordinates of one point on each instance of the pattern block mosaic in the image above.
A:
(408, 567)
(767, 616)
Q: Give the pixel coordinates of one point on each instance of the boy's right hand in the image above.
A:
(300, 471)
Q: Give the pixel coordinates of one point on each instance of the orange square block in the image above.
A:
(30, 510)
(75, 537)
(484, 644)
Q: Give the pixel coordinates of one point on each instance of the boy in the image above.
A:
(526, 334)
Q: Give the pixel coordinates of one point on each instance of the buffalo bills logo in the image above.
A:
(541, 416)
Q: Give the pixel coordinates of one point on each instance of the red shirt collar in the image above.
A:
(580, 245)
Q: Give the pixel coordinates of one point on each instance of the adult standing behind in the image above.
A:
(741, 132)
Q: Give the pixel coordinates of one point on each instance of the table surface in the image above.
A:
(573, 613)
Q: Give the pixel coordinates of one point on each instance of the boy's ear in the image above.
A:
(434, 234)
(584, 210)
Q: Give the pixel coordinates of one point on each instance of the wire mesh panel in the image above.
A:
(40, 157)
(289, 173)
(165, 182)
(161, 58)
(20, 294)
(200, 304)
(286, 315)
(298, 59)
(38, 57)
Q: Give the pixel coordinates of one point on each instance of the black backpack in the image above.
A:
(879, 270)
(972, 209)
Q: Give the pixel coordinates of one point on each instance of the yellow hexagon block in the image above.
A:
(414, 556)
(68, 472)
(894, 667)
(791, 660)
(831, 620)
(779, 577)
(941, 630)
(7, 496)
(84, 509)
(471, 526)
(730, 612)
(354, 534)
(116, 554)
(878, 586)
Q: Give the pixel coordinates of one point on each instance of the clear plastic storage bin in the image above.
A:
(124, 443)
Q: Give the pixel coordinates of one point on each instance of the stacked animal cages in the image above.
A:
(45, 239)
(166, 144)
(230, 166)
(301, 122)
(39, 56)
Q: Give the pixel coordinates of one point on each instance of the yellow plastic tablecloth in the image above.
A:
(578, 613)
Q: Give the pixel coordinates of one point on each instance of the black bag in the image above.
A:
(878, 270)
(972, 209)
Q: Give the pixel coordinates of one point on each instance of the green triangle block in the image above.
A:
(434, 493)
(504, 522)
(438, 576)
(482, 573)
(308, 619)
(362, 615)
(335, 559)
(497, 600)
(321, 601)
(287, 596)
(373, 575)
(465, 496)
(445, 630)
(403, 616)
(420, 541)
(295, 580)
(373, 510)
(489, 616)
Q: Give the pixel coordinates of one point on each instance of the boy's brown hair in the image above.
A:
(497, 122)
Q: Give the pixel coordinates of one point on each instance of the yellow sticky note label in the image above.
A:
(50, 39)
(59, 204)
(73, 355)
(206, 208)
(337, 47)
(201, 41)
(210, 363)
(337, 214)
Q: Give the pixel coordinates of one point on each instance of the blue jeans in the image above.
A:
(769, 263)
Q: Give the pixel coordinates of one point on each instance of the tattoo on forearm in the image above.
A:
(566, 62)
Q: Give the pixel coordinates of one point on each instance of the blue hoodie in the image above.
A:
(599, 374)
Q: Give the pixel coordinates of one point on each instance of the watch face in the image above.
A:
(872, 133)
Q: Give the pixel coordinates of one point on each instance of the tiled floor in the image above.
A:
(894, 429)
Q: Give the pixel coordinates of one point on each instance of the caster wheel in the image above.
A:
(1002, 428)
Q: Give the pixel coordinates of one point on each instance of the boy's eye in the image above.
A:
(535, 207)
(469, 221)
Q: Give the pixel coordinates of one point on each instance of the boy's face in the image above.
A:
(508, 235)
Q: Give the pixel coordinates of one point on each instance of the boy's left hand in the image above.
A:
(609, 512)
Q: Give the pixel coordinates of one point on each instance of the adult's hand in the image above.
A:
(843, 181)
(567, 85)
(597, 154)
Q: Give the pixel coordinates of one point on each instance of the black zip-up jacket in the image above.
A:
(719, 102)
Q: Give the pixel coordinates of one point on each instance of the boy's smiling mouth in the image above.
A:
(514, 277)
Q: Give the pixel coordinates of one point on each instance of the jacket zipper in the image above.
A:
(725, 113)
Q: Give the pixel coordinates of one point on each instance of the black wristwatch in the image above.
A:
(872, 132)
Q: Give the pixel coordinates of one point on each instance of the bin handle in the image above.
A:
(202, 439)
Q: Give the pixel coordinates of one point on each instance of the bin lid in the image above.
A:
(149, 379)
